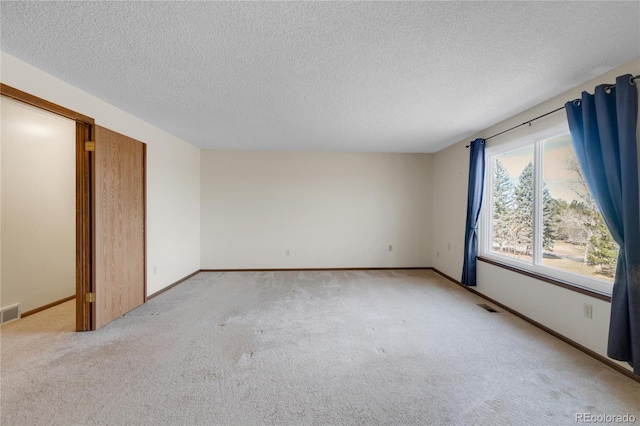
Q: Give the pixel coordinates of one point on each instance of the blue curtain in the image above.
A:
(474, 201)
(603, 134)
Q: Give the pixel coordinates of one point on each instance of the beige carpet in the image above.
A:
(343, 347)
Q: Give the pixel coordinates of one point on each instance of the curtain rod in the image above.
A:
(609, 86)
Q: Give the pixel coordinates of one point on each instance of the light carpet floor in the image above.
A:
(325, 347)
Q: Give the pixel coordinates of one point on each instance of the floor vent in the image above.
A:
(486, 307)
(9, 313)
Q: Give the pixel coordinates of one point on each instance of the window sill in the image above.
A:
(564, 284)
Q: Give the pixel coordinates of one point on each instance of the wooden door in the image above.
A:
(119, 226)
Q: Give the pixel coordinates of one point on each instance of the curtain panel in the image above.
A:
(474, 202)
(603, 133)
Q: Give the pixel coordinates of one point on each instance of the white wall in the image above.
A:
(173, 172)
(328, 209)
(552, 306)
(38, 206)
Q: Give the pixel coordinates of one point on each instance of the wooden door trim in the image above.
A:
(144, 217)
(84, 132)
(12, 92)
(84, 224)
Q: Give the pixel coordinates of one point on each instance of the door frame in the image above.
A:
(84, 208)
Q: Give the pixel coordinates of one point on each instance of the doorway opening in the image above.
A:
(46, 209)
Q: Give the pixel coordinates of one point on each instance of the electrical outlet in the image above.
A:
(449, 246)
(286, 252)
(588, 310)
(390, 247)
(155, 270)
(438, 253)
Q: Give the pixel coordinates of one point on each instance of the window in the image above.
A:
(538, 214)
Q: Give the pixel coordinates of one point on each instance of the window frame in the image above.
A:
(534, 266)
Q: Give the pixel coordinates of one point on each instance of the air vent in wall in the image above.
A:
(9, 313)
(486, 307)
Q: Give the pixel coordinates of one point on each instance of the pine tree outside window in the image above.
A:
(538, 214)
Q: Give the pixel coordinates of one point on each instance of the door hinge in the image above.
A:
(90, 297)
(89, 146)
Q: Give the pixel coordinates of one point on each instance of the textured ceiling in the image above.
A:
(339, 76)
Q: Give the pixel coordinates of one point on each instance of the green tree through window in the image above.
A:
(573, 236)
